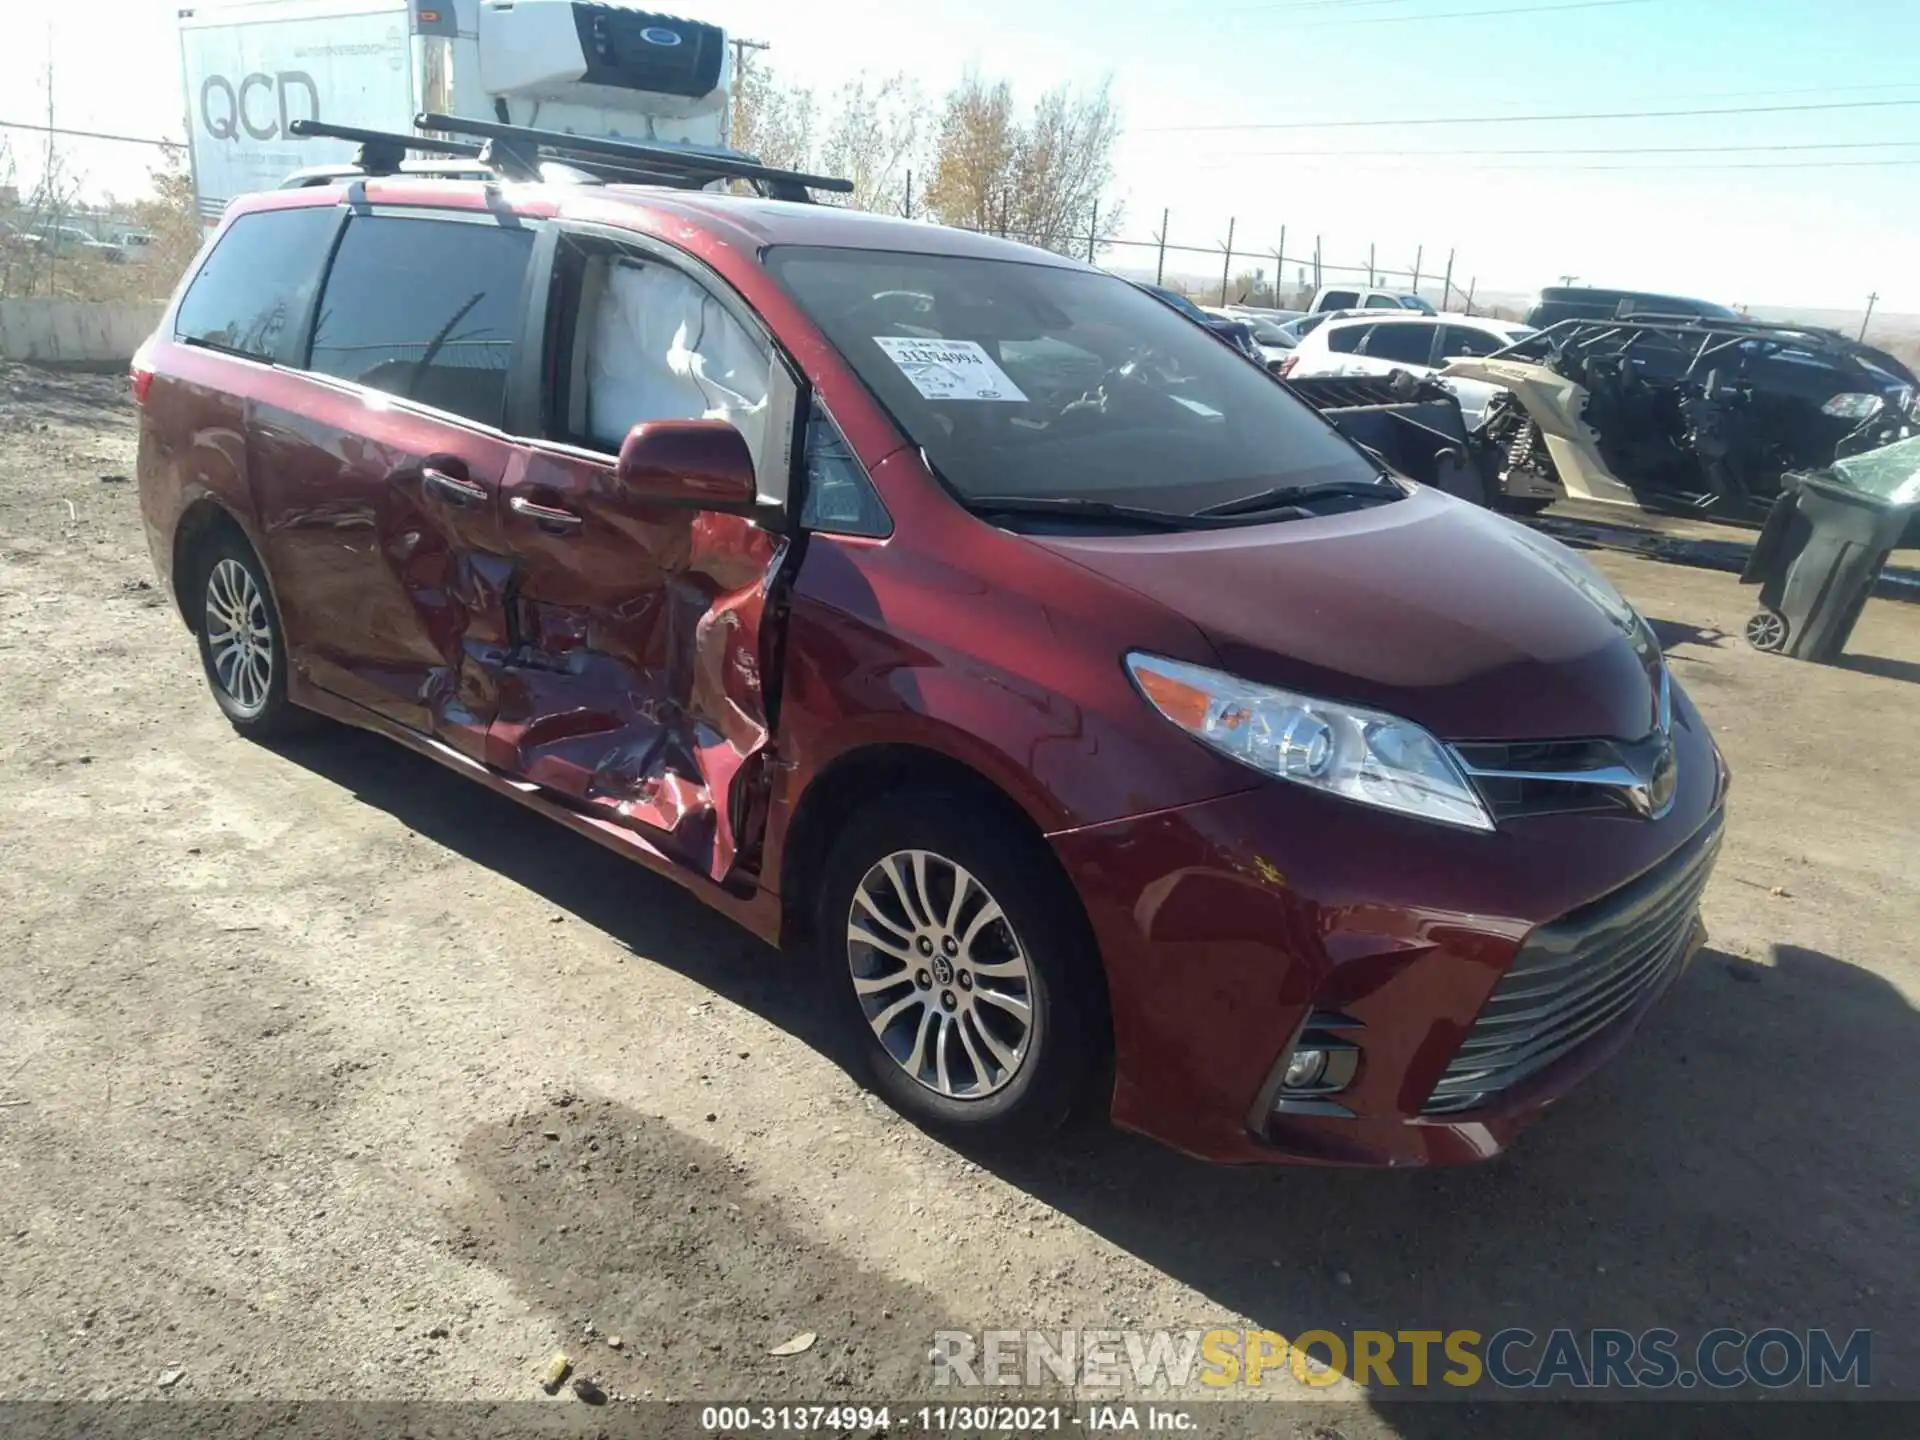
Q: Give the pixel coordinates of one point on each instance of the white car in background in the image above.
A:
(1270, 334)
(1417, 344)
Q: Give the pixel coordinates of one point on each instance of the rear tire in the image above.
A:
(242, 649)
(1767, 631)
(963, 966)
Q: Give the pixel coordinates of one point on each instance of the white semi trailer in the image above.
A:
(589, 67)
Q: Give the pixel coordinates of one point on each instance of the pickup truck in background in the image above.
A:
(589, 67)
(1363, 297)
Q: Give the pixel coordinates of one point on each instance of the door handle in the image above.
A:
(452, 488)
(548, 517)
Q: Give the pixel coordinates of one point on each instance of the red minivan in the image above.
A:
(1103, 717)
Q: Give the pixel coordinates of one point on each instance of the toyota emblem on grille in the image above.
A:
(1653, 796)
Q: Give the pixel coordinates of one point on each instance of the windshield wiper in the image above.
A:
(1089, 509)
(1301, 498)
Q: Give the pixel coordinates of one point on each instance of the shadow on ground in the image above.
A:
(1672, 634)
(1881, 665)
(1748, 1161)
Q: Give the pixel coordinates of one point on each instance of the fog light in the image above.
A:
(1304, 1069)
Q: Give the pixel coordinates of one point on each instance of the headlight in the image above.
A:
(1854, 406)
(1343, 750)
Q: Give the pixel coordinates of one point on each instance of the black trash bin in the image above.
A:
(1816, 561)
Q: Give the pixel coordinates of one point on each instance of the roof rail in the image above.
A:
(515, 152)
(525, 143)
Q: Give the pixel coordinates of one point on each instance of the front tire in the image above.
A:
(242, 649)
(1767, 631)
(963, 966)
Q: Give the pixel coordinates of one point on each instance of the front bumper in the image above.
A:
(1225, 925)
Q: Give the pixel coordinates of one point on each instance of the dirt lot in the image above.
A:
(326, 1074)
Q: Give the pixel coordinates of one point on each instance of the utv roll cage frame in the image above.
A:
(1710, 339)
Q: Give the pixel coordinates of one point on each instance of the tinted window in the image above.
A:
(1460, 340)
(1179, 302)
(1382, 302)
(1346, 339)
(252, 294)
(1407, 344)
(425, 308)
(1041, 381)
(1339, 299)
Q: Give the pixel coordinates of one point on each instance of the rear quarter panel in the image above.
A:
(193, 442)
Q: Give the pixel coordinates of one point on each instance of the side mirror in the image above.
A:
(690, 464)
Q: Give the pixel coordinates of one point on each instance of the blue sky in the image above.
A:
(1812, 226)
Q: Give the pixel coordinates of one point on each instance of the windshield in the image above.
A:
(1892, 472)
(1045, 382)
(1267, 332)
(1414, 302)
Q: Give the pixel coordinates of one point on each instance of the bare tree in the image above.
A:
(870, 132)
(772, 122)
(872, 139)
(1042, 180)
(1067, 166)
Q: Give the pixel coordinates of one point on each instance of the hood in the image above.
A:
(1430, 608)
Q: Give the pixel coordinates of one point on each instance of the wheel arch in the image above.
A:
(848, 781)
(842, 788)
(199, 524)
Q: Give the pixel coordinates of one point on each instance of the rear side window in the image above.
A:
(427, 309)
(1461, 340)
(1346, 339)
(1340, 299)
(252, 294)
(1408, 344)
(1381, 302)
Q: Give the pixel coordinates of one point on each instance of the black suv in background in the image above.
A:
(1237, 333)
(1585, 302)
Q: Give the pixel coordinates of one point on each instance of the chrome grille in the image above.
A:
(1576, 976)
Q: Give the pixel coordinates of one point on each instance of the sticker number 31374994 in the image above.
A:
(949, 369)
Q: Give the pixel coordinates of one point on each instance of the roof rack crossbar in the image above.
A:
(784, 184)
(381, 151)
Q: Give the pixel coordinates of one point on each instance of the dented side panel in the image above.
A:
(636, 683)
(393, 593)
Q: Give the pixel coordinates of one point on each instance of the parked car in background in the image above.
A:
(1362, 297)
(1148, 736)
(1590, 302)
(1264, 312)
(1270, 336)
(1419, 345)
(1235, 332)
(53, 239)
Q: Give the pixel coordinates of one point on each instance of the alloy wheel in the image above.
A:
(239, 637)
(1767, 630)
(944, 982)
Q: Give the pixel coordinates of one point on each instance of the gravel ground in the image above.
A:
(325, 1074)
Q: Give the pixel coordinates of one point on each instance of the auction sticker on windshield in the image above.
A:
(949, 369)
